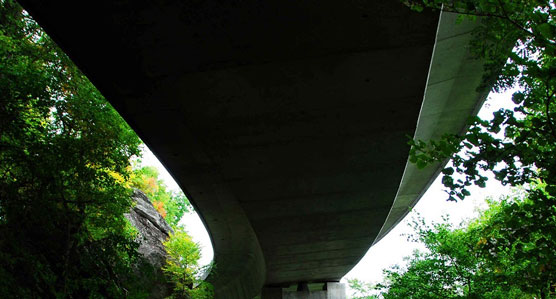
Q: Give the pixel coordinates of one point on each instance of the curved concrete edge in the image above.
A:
(240, 267)
(242, 270)
(450, 99)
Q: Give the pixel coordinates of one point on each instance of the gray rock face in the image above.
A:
(153, 230)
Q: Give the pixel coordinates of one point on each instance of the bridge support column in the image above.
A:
(330, 290)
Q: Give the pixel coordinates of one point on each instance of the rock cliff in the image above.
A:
(153, 230)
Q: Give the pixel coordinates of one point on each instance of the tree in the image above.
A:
(64, 152)
(183, 269)
(518, 237)
(66, 178)
(506, 252)
(362, 289)
(446, 270)
(171, 205)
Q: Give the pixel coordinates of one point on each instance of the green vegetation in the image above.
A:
(65, 178)
(183, 268)
(506, 252)
(362, 290)
(64, 153)
(171, 205)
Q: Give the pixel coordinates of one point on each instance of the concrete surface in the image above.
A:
(451, 96)
(329, 290)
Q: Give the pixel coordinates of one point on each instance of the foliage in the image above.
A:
(183, 269)
(519, 240)
(171, 205)
(63, 158)
(362, 289)
(517, 42)
(506, 252)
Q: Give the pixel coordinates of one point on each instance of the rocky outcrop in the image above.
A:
(153, 230)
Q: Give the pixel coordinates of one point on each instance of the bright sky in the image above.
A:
(394, 246)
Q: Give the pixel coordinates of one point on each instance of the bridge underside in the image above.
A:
(285, 123)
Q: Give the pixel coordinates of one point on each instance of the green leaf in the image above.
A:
(545, 30)
(448, 171)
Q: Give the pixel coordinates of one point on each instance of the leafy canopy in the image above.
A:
(183, 269)
(171, 205)
(516, 40)
(65, 179)
(64, 154)
(506, 252)
(362, 290)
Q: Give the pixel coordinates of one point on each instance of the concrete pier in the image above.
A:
(330, 290)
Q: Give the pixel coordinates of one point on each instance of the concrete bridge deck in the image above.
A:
(284, 122)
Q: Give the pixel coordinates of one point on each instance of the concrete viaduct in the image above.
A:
(285, 122)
